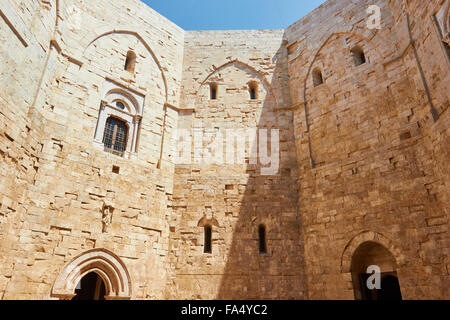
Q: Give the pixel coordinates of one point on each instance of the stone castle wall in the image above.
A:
(363, 157)
(237, 199)
(57, 187)
(376, 151)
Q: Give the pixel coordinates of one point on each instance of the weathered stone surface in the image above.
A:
(364, 156)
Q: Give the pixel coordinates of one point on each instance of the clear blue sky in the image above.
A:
(233, 14)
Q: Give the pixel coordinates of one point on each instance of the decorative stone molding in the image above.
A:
(101, 261)
(131, 114)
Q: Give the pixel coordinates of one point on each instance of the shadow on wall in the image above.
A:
(265, 259)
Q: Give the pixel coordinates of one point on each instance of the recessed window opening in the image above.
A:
(208, 239)
(130, 62)
(115, 135)
(262, 239)
(253, 90)
(358, 56)
(116, 169)
(213, 90)
(317, 77)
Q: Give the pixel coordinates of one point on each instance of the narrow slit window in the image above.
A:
(253, 90)
(262, 239)
(317, 77)
(358, 56)
(213, 89)
(130, 62)
(208, 239)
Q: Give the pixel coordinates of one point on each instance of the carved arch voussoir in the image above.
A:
(369, 236)
(106, 264)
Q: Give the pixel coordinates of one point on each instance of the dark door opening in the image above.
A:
(91, 287)
(390, 288)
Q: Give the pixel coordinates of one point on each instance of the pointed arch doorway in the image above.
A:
(97, 274)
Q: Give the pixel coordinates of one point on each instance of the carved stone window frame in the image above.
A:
(132, 115)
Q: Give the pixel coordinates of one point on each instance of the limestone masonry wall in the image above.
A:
(236, 199)
(363, 174)
(367, 131)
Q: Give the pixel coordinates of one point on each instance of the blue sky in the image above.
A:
(233, 14)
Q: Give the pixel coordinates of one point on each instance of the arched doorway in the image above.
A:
(97, 274)
(374, 254)
(90, 287)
